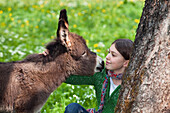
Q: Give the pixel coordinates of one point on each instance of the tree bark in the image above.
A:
(146, 82)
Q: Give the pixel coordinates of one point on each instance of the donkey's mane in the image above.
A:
(55, 48)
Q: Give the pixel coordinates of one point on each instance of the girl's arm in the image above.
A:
(81, 80)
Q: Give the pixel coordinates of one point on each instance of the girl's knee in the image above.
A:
(73, 105)
(71, 108)
(75, 108)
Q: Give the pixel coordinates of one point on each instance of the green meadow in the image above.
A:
(26, 26)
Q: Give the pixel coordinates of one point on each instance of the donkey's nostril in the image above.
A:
(101, 67)
(102, 64)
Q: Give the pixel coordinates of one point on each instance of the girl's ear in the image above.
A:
(126, 63)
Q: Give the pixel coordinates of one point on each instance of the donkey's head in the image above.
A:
(82, 61)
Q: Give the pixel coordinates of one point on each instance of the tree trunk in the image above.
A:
(146, 82)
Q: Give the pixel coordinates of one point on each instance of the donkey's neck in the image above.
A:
(53, 73)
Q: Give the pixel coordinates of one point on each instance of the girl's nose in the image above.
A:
(107, 57)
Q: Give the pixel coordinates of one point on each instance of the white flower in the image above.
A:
(16, 36)
(6, 31)
(101, 44)
(25, 35)
(1, 54)
(21, 53)
(76, 97)
(2, 39)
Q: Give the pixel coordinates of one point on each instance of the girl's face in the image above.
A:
(115, 61)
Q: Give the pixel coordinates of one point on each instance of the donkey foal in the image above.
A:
(25, 85)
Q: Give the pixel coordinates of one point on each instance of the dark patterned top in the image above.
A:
(97, 80)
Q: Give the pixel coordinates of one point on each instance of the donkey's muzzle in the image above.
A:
(99, 64)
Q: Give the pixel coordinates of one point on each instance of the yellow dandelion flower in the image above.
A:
(119, 19)
(1, 11)
(41, 5)
(19, 21)
(9, 9)
(103, 10)
(3, 24)
(121, 2)
(98, 50)
(26, 21)
(34, 6)
(10, 26)
(53, 14)
(48, 11)
(134, 27)
(22, 25)
(42, 10)
(25, 8)
(45, 2)
(79, 14)
(61, 4)
(10, 14)
(74, 25)
(87, 41)
(115, 35)
(95, 45)
(42, 43)
(12, 19)
(52, 37)
(37, 27)
(136, 20)
(89, 5)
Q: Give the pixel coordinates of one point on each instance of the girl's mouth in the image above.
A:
(107, 63)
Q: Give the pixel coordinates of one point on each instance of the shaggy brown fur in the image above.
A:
(25, 85)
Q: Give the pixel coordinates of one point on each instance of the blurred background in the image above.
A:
(27, 26)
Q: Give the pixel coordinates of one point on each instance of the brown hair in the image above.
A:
(124, 46)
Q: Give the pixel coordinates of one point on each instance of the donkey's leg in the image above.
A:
(25, 103)
(30, 101)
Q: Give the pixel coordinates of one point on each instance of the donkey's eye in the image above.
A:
(84, 53)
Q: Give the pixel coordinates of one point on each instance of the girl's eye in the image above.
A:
(113, 55)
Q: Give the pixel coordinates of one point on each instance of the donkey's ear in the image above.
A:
(62, 31)
(62, 34)
(63, 16)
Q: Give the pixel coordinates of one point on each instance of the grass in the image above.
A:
(27, 26)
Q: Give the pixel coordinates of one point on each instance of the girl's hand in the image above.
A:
(45, 52)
